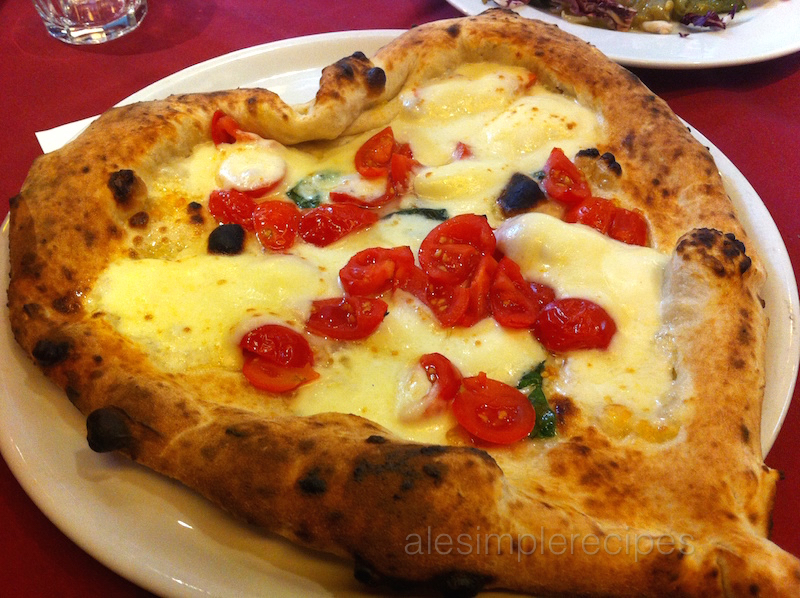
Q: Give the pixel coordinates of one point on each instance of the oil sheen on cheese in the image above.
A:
(191, 311)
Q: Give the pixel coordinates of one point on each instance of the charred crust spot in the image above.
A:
(197, 219)
(754, 589)
(193, 206)
(745, 434)
(521, 194)
(121, 184)
(461, 584)
(346, 69)
(433, 450)
(704, 237)
(306, 445)
(589, 152)
(364, 573)
(226, 239)
(312, 483)
(236, 432)
(107, 430)
(434, 470)
(744, 265)
(454, 30)
(73, 394)
(48, 352)
(629, 141)
(376, 439)
(376, 78)
(358, 55)
(13, 201)
(139, 220)
(32, 310)
(612, 163)
(67, 304)
(304, 534)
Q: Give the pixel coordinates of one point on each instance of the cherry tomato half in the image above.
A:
(223, 128)
(595, 212)
(401, 167)
(327, 223)
(570, 324)
(479, 285)
(515, 301)
(563, 181)
(629, 227)
(462, 151)
(453, 249)
(373, 271)
(279, 345)
(444, 377)
(448, 302)
(493, 411)
(373, 157)
(346, 318)
(276, 223)
(232, 207)
(268, 376)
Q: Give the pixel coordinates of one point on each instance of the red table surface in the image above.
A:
(751, 113)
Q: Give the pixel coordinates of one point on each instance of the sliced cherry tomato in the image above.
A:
(444, 376)
(462, 151)
(279, 345)
(448, 302)
(629, 227)
(516, 302)
(563, 181)
(346, 318)
(595, 212)
(479, 285)
(268, 376)
(493, 411)
(232, 207)
(401, 166)
(372, 271)
(373, 157)
(452, 250)
(570, 324)
(276, 223)
(223, 128)
(327, 223)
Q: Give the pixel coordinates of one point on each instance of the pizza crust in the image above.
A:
(342, 484)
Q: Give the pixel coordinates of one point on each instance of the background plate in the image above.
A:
(768, 29)
(165, 537)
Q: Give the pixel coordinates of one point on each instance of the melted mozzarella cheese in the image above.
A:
(257, 166)
(508, 128)
(192, 312)
(625, 280)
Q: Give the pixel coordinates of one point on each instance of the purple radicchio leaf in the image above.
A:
(711, 20)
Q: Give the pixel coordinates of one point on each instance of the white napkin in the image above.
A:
(54, 138)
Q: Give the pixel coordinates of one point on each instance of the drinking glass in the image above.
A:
(90, 21)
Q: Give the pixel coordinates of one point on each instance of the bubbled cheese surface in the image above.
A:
(190, 311)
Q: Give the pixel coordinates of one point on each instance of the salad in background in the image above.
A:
(652, 16)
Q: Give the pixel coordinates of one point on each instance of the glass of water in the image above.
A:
(90, 21)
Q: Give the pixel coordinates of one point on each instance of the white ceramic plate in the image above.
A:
(165, 537)
(768, 29)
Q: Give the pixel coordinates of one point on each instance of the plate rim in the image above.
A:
(159, 581)
(607, 41)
